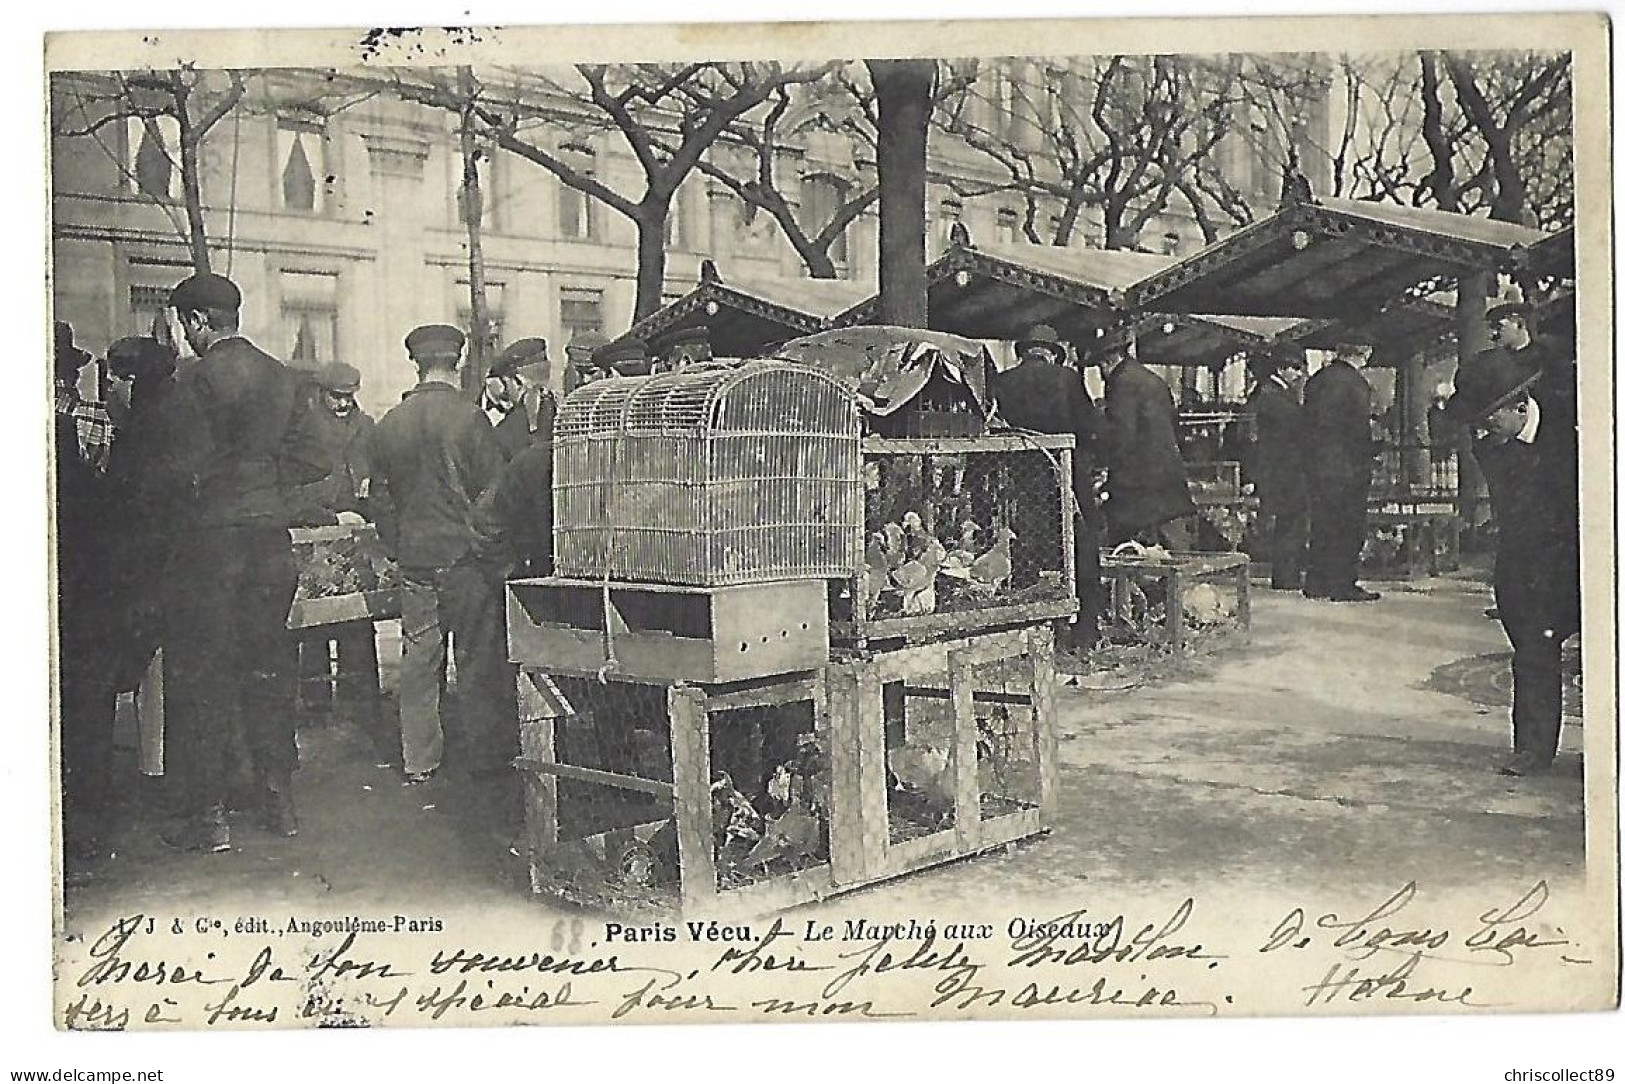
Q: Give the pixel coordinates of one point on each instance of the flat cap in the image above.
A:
(683, 336)
(585, 343)
(339, 378)
(206, 291)
(622, 350)
(519, 354)
(435, 340)
(137, 353)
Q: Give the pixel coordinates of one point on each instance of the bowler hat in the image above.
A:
(339, 378)
(1486, 383)
(206, 291)
(435, 340)
(1042, 337)
(519, 354)
(1497, 311)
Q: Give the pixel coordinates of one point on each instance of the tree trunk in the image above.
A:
(903, 95)
(651, 262)
(197, 237)
(819, 265)
(479, 335)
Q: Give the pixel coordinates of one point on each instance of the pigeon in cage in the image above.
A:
(991, 570)
(921, 769)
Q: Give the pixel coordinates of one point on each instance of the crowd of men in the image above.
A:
(175, 494)
(1310, 465)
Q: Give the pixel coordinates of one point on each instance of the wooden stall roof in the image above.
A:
(1554, 255)
(1417, 322)
(1329, 259)
(745, 319)
(1001, 291)
(1195, 341)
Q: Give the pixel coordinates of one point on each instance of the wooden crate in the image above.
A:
(663, 633)
(1173, 575)
(860, 711)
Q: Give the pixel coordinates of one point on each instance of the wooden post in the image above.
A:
(967, 788)
(1046, 750)
(1174, 611)
(536, 742)
(691, 776)
(1472, 338)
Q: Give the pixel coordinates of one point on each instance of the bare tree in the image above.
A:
(666, 115)
(1483, 132)
(90, 109)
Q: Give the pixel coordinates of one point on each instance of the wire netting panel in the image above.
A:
(619, 727)
(770, 793)
(712, 477)
(920, 775)
(952, 531)
(1007, 765)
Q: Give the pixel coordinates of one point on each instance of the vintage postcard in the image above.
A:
(720, 524)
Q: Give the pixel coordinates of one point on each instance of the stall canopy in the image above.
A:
(748, 318)
(1411, 322)
(1330, 259)
(1001, 291)
(1195, 341)
(1553, 256)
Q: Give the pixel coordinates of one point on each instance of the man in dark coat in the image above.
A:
(1338, 450)
(244, 441)
(344, 431)
(1042, 394)
(433, 457)
(1276, 466)
(580, 368)
(1148, 496)
(1518, 398)
(525, 373)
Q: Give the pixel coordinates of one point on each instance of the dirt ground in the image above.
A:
(1334, 744)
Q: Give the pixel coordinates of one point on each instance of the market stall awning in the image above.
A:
(1553, 255)
(1190, 341)
(747, 318)
(1002, 291)
(1329, 259)
(1411, 322)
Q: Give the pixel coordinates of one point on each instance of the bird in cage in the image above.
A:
(916, 578)
(991, 571)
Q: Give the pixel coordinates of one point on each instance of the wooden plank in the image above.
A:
(962, 755)
(772, 694)
(536, 741)
(778, 893)
(691, 778)
(1174, 609)
(1046, 747)
(847, 860)
(657, 787)
(983, 696)
(959, 622)
(993, 442)
(1244, 596)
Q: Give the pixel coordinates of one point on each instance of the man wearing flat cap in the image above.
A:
(344, 431)
(1042, 394)
(1148, 495)
(1517, 399)
(688, 346)
(1337, 441)
(525, 374)
(243, 439)
(578, 353)
(434, 456)
(1276, 464)
(624, 357)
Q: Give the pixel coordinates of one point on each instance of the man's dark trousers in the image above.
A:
(229, 664)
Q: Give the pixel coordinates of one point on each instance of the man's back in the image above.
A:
(1337, 421)
(432, 457)
(1278, 445)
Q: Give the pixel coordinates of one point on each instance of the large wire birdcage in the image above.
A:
(712, 477)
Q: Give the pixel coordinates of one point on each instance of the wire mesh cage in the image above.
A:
(924, 741)
(961, 534)
(712, 477)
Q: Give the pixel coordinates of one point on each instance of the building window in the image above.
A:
(153, 163)
(577, 213)
(581, 311)
(310, 318)
(822, 196)
(302, 175)
(1007, 229)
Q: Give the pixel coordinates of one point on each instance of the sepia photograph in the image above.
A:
(951, 521)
